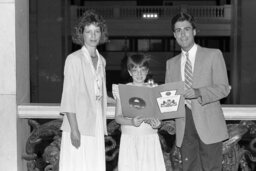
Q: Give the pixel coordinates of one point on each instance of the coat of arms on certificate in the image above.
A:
(163, 101)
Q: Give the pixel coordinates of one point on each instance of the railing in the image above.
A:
(51, 111)
(129, 20)
(135, 12)
(234, 155)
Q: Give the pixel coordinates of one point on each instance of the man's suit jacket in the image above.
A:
(210, 77)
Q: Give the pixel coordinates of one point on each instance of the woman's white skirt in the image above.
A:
(90, 156)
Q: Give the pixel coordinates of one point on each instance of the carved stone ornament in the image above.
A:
(47, 137)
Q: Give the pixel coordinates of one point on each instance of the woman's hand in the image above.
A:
(137, 121)
(153, 122)
(75, 138)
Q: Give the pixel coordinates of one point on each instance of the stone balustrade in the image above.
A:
(135, 12)
(51, 111)
(129, 20)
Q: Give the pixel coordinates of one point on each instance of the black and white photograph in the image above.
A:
(127, 85)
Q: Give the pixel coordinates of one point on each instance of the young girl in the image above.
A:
(84, 99)
(140, 148)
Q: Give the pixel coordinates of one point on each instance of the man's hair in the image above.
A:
(183, 16)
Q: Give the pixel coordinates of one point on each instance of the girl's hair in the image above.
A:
(183, 16)
(89, 17)
(140, 60)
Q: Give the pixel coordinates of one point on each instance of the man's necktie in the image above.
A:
(188, 77)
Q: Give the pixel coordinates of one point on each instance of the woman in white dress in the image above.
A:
(140, 148)
(84, 99)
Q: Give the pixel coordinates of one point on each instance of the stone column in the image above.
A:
(14, 81)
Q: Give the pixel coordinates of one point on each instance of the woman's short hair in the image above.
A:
(140, 60)
(89, 17)
(183, 16)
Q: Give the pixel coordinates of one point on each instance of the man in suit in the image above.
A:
(200, 134)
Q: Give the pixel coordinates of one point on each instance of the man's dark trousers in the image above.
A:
(197, 156)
